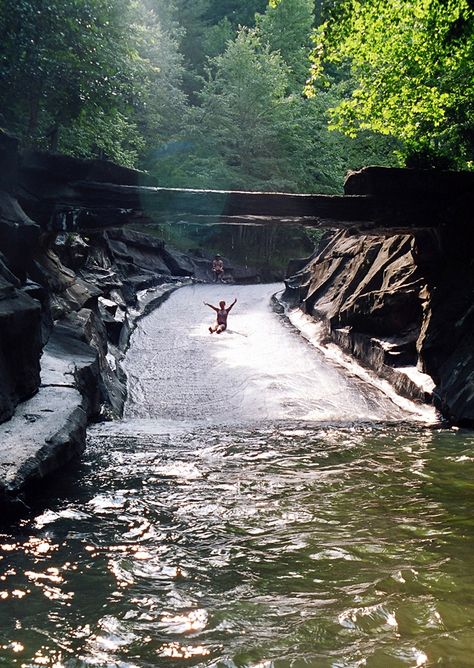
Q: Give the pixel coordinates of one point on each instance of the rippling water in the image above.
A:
(197, 540)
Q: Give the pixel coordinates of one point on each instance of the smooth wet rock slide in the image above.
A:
(259, 369)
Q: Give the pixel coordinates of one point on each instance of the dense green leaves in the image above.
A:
(210, 93)
(251, 126)
(287, 26)
(58, 56)
(92, 77)
(233, 135)
(413, 69)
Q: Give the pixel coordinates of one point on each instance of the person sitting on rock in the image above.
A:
(222, 312)
(217, 269)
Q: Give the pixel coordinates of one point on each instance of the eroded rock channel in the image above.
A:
(396, 292)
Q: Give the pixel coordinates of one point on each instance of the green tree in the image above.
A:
(103, 134)
(59, 55)
(413, 71)
(160, 105)
(235, 134)
(207, 26)
(253, 129)
(90, 77)
(287, 27)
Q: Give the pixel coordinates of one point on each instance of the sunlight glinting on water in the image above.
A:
(257, 508)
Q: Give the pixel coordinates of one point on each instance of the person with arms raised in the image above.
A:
(222, 312)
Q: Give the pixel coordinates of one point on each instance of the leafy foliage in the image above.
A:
(233, 136)
(103, 134)
(252, 128)
(412, 64)
(287, 26)
(57, 56)
(67, 64)
(209, 93)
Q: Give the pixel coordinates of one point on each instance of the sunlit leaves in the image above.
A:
(412, 63)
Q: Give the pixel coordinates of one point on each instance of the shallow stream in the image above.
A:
(257, 507)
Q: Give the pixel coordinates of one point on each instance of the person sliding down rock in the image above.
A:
(222, 312)
(217, 269)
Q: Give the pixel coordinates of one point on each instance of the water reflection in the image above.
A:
(282, 546)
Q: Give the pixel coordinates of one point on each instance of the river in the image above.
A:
(258, 506)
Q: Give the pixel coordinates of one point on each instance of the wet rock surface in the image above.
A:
(403, 305)
(45, 433)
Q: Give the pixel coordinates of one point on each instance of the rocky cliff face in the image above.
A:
(68, 304)
(403, 304)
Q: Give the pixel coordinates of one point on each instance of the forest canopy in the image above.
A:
(413, 74)
(288, 94)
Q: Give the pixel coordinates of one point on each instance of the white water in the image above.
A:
(259, 369)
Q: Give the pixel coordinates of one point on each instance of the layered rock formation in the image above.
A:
(68, 304)
(403, 304)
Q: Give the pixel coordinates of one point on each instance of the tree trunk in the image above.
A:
(54, 138)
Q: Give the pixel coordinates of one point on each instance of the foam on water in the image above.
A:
(259, 369)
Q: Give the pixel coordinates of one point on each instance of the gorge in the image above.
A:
(243, 499)
(394, 288)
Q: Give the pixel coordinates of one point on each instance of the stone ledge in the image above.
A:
(45, 433)
(400, 384)
(49, 430)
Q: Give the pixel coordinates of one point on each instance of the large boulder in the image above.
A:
(138, 251)
(369, 283)
(367, 292)
(68, 292)
(83, 335)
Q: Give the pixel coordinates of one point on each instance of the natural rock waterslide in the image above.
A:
(68, 303)
(258, 370)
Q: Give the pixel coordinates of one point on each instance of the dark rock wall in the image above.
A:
(20, 347)
(446, 342)
(400, 301)
(366, 291)
(20, 313)
(68, 296)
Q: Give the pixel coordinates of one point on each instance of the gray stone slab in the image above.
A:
(59, 365)
(45, 432)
